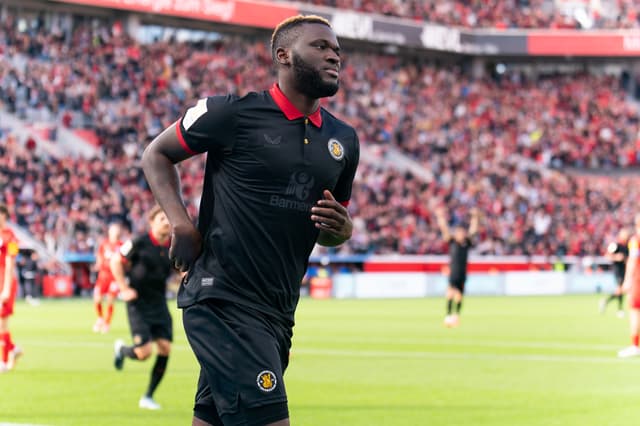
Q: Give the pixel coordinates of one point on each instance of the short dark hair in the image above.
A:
(4, 210)
(155, 210)
(286, 31)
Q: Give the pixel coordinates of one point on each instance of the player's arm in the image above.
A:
(331, 216)
(159, 164)
(99, 259)
(441, 220)
(117, 266)
(612, 254)
(9, 270)
(208, 126)
(474, 223)
(333, 221)
(631, 266)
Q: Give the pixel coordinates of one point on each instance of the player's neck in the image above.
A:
(160, 238)
(302, 102)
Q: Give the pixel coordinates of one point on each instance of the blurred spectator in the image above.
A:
(500, 14)
(502, 145)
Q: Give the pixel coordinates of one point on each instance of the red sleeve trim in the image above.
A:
(181, 139)
(345, 203)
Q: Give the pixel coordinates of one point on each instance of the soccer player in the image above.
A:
(459, 244)
(28, 270)
(278, 178)
(617, 253)
(631, 286)
(106, 285)
(145, 262)
(8, 291)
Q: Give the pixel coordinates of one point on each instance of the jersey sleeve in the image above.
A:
(209, 125)
(342, 191)
(129, 250)
(12, 244)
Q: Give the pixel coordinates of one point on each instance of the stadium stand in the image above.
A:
(501, 143)
(501, 14)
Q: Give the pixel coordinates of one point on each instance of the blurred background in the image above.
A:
(526, 110)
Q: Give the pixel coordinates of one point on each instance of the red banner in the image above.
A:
(321, 287)
(576, 43)
(57, 286)
(240, 12)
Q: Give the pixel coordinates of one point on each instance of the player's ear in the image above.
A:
(283, 57)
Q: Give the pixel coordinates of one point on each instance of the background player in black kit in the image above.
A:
(144, 261)
(617, 253)
(278, 178)
(459, 245)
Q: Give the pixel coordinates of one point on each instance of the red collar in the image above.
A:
(289, 110)
(158, 243)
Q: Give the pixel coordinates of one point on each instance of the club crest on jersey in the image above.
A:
(266, 381)
(336, 149)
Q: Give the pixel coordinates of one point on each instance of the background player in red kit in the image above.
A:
(8, 290)
(106, 285)
(631, 286)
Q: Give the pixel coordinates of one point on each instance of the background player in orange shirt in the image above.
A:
(8, 290)
(106, 285)
(631, 286)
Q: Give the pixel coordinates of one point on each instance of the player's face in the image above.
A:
(115, 231)
(459, 233)
(160, 225)
(316, 62)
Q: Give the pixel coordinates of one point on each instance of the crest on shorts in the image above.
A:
(336, 149)
(266, 381)
(137, 339)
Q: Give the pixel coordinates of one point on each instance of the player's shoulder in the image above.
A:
(238, 100)
(134, 243)
(332, 120)
(8, 234)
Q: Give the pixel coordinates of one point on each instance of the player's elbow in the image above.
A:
(149, 158)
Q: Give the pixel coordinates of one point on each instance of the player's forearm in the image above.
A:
(474, 225)
(5, 292)
(117, 269)
(629, 273)
(327, 239)
(164, 182)
(444, 229)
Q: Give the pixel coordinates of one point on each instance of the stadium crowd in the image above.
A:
(499, 144)
(499, 14)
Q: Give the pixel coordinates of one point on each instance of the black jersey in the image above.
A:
(619, 266)
(267, 165)
(458, 255)
(148, 270)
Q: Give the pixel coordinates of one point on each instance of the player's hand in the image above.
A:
(332, 217)
(626, 287)
(4, 298)
(186, 246)
(128, 294)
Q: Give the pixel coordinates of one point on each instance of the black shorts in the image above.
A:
(148, 326)
(458, 283)
(242, 356)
